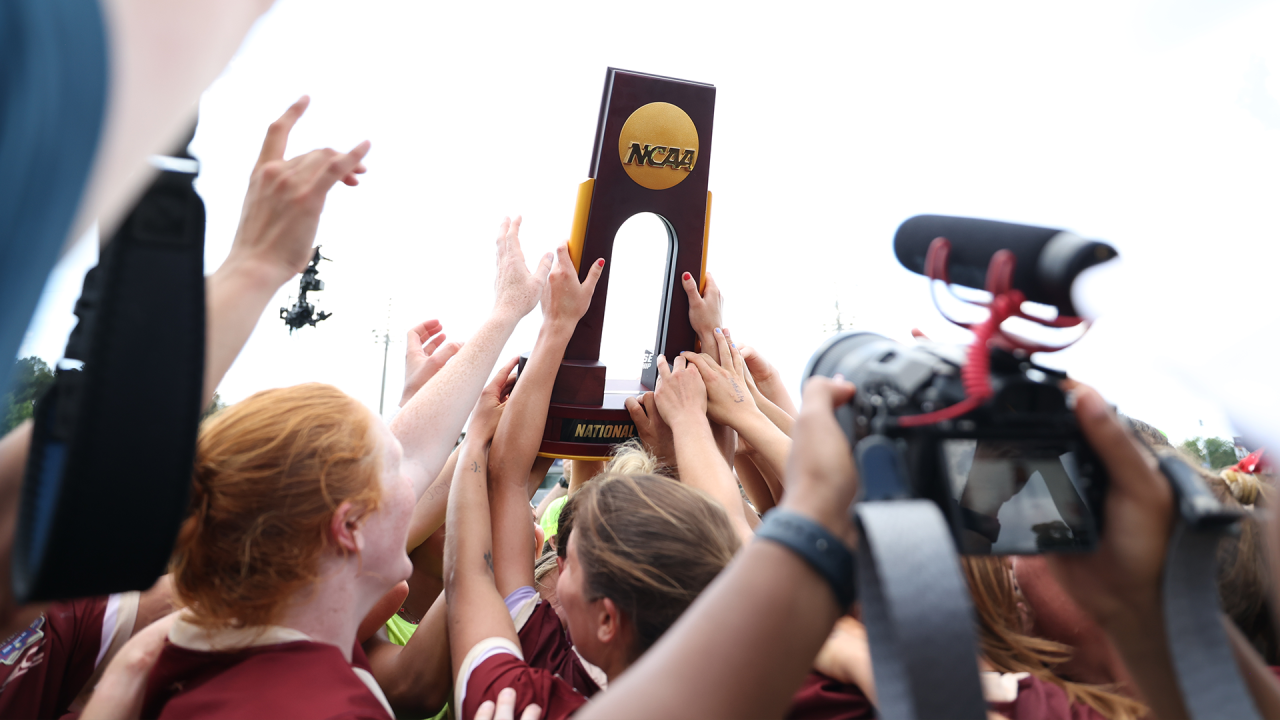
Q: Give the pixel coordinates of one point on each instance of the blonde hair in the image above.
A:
(269, 473)
(631, 458)
(1008, 649)
(1246, 488)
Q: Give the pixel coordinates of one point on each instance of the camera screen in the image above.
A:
(1018, 497)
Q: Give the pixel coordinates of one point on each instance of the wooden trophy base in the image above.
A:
(586, 432)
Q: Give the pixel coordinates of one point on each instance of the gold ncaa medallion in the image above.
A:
(658, 145)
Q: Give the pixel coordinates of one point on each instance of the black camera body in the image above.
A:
(1013, 476)
(982, 431)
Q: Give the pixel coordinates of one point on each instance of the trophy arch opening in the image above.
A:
(639, 284)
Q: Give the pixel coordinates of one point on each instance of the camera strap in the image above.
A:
(916, 608)
(109, 468)
(1202, 657)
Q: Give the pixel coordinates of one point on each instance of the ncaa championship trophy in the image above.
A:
(652, 154)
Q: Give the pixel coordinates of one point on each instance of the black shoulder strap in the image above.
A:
(109, 471)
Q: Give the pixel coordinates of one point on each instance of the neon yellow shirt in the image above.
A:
(550, 521)
(400, 630)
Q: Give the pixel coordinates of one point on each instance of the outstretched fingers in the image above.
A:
(343, 164)
(278, 132)
(422, 331)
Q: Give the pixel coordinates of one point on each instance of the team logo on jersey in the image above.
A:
(13, 647)
(658, 145)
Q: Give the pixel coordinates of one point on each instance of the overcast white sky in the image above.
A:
(1155, 126)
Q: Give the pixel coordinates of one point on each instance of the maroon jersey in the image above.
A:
(1040, 700)
(257, 673)
(546, 645)
(492, 673)
(45, 666)
(824, 698)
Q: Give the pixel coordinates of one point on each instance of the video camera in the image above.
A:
(982, 431)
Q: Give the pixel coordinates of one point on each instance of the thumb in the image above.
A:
(544, 267)
(691, 288)
(593, 276)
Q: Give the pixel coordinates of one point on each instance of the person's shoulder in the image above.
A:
(297, 679)
(557, 698)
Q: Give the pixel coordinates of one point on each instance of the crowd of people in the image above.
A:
(333, 565)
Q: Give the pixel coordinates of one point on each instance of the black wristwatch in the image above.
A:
(564, 482)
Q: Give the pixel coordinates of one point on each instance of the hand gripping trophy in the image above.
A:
(652, 154)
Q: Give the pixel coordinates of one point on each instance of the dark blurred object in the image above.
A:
(53, 91)
(303, 312)
(1048, 260)
(109, 470)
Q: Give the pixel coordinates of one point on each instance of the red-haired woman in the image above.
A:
(300, 512)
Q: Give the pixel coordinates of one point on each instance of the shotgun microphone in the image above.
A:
(1048, 260)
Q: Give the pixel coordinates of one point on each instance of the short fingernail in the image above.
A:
(600, 262)
(733, 345)
(838, 377)
(507, 694)
(718, 332)
(687, 276)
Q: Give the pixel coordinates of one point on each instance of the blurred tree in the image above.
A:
(215, 406)
(1213, 452)
(31, 377)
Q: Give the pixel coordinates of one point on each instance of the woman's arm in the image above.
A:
(415, 677)
(429, 424)
(516, 442)
(428, 514)
(710, 664)
(475, 609)
(682, 400)
(753, 483)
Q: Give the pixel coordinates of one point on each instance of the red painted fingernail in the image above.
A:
(687, 276)
(600, 262)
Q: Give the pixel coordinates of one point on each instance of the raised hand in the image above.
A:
(564, 299)
(821, 478)
(681, 393)
(705, 310)
(484, 419)
(766, 381)
(517, 289)
(425, 354)
(653, 430)
(282, 208)
(1121, 580)
(729, 399)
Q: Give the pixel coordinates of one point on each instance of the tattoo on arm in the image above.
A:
(488, 558)
(475, 466)
(737, 390)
